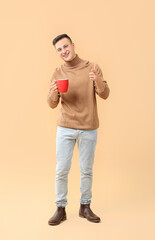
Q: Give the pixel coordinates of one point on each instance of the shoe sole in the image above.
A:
(54, 224)
(95, 221)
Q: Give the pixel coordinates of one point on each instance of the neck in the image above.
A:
(73, 62)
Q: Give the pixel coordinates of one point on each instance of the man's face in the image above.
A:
(65, 49)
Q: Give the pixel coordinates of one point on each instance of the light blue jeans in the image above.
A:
(65, 142)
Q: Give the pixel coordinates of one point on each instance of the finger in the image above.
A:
(53, 88)
(53, 85)
(95, 66)
(92, 78)
(53, 82)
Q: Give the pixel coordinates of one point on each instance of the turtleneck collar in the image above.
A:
(73, 62)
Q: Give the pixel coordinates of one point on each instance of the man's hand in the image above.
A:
(53, 91)
(53, 87)
(93, 74)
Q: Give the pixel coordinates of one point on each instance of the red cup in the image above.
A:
(62, 85)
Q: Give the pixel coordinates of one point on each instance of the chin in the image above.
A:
(67, 60)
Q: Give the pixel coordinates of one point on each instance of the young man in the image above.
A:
(77, 122)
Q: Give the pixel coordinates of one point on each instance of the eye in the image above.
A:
(65, 46)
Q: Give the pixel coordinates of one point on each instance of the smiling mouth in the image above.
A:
(66, 55)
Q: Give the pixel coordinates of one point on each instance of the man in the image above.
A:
(77, 122)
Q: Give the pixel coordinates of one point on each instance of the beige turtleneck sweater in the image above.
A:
(78, 104)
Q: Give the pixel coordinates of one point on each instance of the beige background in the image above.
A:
(119, 36)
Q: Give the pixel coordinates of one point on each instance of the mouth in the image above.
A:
(66, 55)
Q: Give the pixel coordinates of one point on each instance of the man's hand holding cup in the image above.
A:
(53, 90)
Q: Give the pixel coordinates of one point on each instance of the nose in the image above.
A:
(63, 51)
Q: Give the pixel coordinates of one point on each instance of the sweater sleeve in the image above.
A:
(100, 85)
(53, 99)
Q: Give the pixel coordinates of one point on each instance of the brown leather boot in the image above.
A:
(60, 215)
(86, 212)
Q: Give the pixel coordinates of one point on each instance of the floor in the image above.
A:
(29, 220)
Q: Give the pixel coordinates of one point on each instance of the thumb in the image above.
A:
(94, 68)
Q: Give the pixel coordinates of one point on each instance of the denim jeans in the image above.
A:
(65, 142)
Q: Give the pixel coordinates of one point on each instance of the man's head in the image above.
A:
(64, 47)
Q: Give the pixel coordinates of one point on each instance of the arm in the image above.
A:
(53, 95)
(102, 89)
(100, 85)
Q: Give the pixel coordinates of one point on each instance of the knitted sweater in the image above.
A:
(78, 104)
